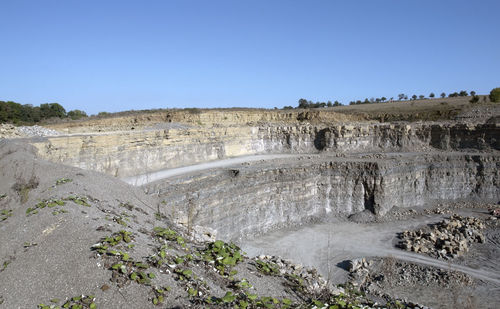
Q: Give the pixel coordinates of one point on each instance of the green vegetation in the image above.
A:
(51, 203)
(12, 112)
(224, 255)
(5, 214)
(267, 268)
(159, 293)
(77, 114)
(57, 205)
(63, 180)
(303, 103)
(474, 99)
(76, 302)
(80, 200)
(495, 95)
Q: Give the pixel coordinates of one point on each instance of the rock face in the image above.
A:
(132, 152)
(264, 196)
(343, 168)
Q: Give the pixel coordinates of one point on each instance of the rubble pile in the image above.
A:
(9, 131)
(310, 280)
(37, 131)
(447, 239)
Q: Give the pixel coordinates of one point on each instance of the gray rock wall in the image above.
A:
(257, 198)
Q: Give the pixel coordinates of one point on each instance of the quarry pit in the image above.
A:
(318, 187)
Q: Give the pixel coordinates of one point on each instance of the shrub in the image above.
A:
(474, 99)
(495, 95)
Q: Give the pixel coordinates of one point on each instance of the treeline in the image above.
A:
(12, 112)
(303, 103)
(404, 97)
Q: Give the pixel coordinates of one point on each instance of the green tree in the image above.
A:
(431, 95)
(495, 95)
(77, 114)
(414, 97)
(303, 103)
(443, 95)
(421, 97)
(49, 110)
(472, 93)
(463, 93)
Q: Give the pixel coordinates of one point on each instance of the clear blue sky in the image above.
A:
(121, 55)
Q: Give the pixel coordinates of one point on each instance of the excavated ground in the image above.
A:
(320, 188)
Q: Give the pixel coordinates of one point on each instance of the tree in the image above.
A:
(303, 103)
(431, 95)
(401, 96)
(392, 99)
(287, 107)
(377, 100)
(366, 101)
(77, 114)
(414, 97)
(473, 93)
(443, 95)
(49, 110)
(383, 99)
(421, 97)
(495, 95)
(329, 103)
(463, 93)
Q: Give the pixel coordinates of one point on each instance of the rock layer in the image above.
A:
(128, 153)
(251, 199)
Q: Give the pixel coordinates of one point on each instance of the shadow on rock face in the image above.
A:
(321, 139)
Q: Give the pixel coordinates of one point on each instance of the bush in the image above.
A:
(474, 99)
(495, 95)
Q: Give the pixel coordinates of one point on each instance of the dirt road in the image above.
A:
(143, 179)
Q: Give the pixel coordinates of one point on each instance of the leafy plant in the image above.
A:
(266, 268)
(80, 200)
(223, 255)
(63, 180)
(159, 297)
(5, 214)
(50, 203)
(76, 302)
